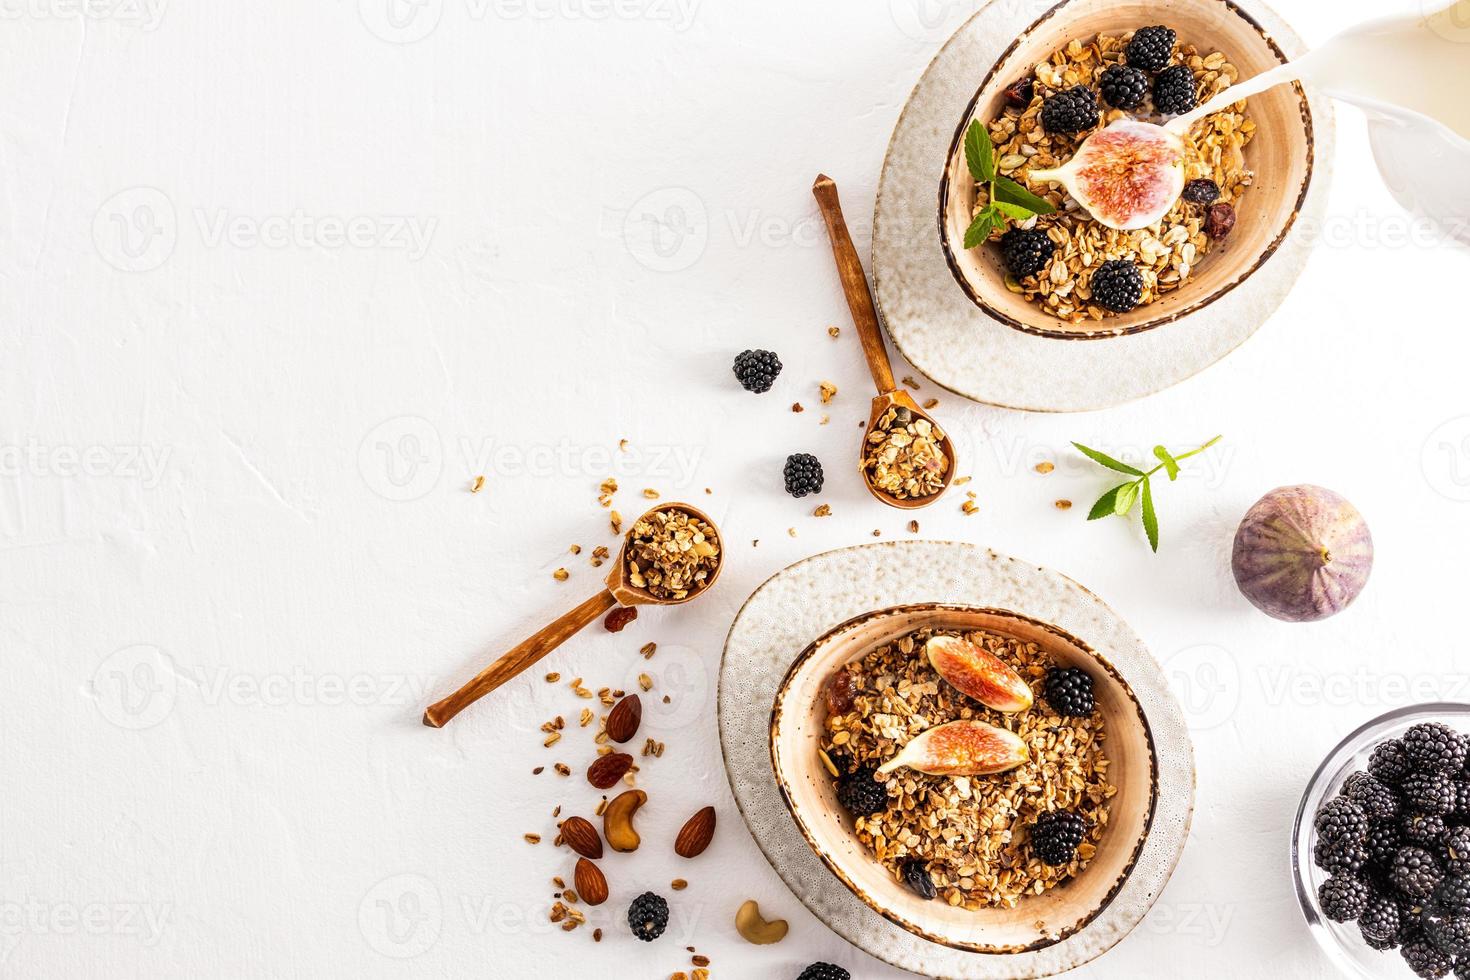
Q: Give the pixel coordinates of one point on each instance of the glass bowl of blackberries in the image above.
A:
(1381, 846)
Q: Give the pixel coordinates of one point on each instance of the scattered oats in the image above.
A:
(570, 894)
(553, 677)
(825, 420)
(478, 485)
(615, 519)
(708, 490)
(699, 974)
(823, 510)
(532, 838)
(913, 527)
(562, 769)
(969, 506)
(791, 531)
(606, 491)
(645, 682)
(650, 493)
(1045, 467)
(559, 882)
(827, 390)
(622, 445)
(648, 649)
(601, 806)
(600, 554)
(796, 407)
(960, 481)
(877, 533)
(586, 719)
(931, 403)
(1064, 505)
(833, 332)
(551, 740)
(575, 549)
(561, 574)
(910, 382)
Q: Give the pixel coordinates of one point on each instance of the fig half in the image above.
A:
(1127, 176)
(977, 673)
(961, 748)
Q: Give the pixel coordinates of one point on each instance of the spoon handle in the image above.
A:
(519, 658)
(854, 284)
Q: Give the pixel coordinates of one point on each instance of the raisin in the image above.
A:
(1219, 221)
(1018, 95)
(620, 617)
(839, 693)
(916, 876)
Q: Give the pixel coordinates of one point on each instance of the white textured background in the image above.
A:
(277, 279)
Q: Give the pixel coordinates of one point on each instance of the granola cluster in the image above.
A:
(904, 457)
(672, 554)
(1167, 253)
(971, 832)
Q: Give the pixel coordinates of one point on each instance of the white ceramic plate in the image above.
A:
(949, 339)
(806, 600)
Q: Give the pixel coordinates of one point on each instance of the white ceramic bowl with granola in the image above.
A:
(956, 858)
(1257, 156)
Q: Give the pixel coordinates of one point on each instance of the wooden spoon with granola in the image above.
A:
(670, 555)
(907, 459)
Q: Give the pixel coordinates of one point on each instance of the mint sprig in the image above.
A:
(1120, 499)
(1008, 199)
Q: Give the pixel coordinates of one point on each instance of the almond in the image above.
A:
(590, 881)
(695, 835)
(624, 719)
(579, 834)
(608, 769)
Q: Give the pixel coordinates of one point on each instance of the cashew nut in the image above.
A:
(617, 820)
(754, 929)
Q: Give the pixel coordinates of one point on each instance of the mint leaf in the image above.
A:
(1127, 496)
(1105, 504)
(1170, 463)
(980, 229)
(1014, 211)
(1013, 193)
(1105, 460)
(980, 152)
(1196, 452)
(1150, 519)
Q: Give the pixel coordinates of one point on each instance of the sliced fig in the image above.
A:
(976, 672)
(961, 748)
(1127, 176)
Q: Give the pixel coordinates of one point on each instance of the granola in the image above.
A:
(672, 554)
(904, 457)
(971, 832)
(1167, 253)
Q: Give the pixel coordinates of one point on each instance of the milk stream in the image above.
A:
(1411, 77)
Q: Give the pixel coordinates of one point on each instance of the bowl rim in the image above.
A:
(952, 261)
(778, 708)
(1299, 849)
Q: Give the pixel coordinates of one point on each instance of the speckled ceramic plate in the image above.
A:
(944, 334)
(806, 600)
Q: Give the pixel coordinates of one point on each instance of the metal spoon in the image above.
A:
(619, 592)
(865, 317)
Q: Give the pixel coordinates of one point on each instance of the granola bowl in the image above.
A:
(1262, 157)
(1008, 905)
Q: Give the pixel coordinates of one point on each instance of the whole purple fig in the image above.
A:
(1302, 554)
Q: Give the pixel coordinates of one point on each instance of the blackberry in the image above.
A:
(1452, 897)
(824, 971)
(1070, 111)
(916, 876)
(1433, 747)
(1424, 829)
(1389, 762)
(1425, 960)
(1069, 692)
(648, 916)
(1383, 841)
(803, 474)
(1450, 933)
(1117, 285)
(1201, 191)
(860, 794)
(1380, 918)
(1373, 942)
(841, 761)
(1415, 872)
(757, 369)
(1174, 90)
(1342, 821)
(1430, 792)
(1340, 859)
(1123, 87)
(1343, 898)
(1151, 48)
(1454, 850)
(1376, 799)
(1055, 836)
(1026, 251)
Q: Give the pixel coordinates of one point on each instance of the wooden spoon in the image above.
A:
(865, 317)
(619, 592)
